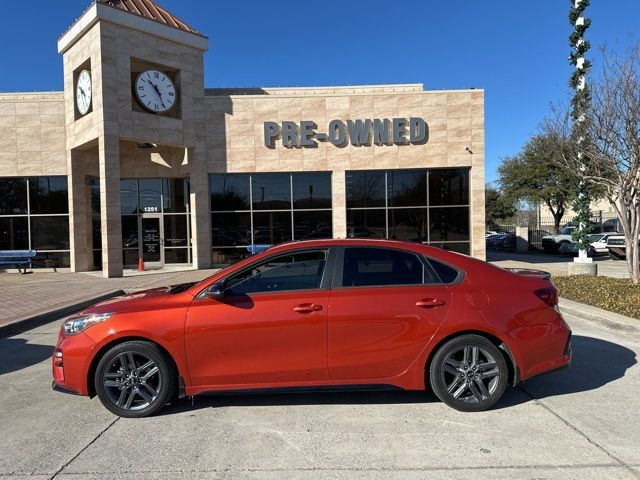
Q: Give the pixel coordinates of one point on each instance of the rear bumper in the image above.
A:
(58, 388)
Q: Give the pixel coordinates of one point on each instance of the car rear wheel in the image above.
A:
(135, 379)
(469, 373)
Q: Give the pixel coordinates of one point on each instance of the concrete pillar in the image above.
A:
(522, 239)
(80, 232)
(339, 205)
(200, 208)
(110, 222)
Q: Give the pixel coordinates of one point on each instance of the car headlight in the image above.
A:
(79, 324)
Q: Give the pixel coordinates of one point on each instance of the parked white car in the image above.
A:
(598, 245)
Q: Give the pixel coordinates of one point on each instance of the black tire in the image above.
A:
(129, 393)
(490, 369)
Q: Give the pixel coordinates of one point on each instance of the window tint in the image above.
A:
(48, 195)
(13, 196)
(445, 272)
(379, 266)
(296, 271)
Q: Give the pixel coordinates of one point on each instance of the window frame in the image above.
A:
(325, 282)
(456, 280)
(336, 280)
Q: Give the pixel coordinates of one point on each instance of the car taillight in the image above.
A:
(548, 295)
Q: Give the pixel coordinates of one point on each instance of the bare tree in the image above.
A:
(612, 158)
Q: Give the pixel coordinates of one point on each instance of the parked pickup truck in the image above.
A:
(552, 243)
(617, 248)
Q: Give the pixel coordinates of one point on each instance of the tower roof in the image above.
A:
(150, 10)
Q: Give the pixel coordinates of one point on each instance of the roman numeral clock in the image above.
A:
(155, 91)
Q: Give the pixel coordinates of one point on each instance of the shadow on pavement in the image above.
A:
(595, 363)
(16, 354)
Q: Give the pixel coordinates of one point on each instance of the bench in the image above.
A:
(253, 249)
(19, 258)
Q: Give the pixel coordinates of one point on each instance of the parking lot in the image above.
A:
(581, 423)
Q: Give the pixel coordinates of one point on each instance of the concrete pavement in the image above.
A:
(579, 423)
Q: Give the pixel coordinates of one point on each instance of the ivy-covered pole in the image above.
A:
(580, 105)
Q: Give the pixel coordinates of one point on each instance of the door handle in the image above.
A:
(307, 308)
(430, 302)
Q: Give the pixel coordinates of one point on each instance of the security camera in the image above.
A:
(467, 149)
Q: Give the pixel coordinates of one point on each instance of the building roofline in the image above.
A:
(387, 89)
(100, 11)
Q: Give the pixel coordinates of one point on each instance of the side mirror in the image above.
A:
(215, 291)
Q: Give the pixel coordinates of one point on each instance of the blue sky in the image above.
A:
(517, 51)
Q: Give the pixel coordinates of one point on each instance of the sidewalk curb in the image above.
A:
(20, 326)
(605, 318)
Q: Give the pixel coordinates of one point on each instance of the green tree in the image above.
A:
(497, 207)
(533, 176)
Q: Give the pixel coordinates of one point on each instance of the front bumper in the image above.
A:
(70, 363)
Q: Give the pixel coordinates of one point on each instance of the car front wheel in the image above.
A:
(135, 379)
(469, 373)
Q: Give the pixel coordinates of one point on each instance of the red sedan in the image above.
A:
(320, 313)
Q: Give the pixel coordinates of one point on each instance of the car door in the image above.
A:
(386, 305)
(269, 329)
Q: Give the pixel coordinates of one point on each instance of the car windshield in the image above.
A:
(567, 230)
(595, 237)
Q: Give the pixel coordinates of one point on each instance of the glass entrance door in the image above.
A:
(152, 240)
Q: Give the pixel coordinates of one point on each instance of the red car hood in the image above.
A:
(146, 299)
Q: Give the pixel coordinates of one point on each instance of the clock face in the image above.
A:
(155, 91)
(83, 92)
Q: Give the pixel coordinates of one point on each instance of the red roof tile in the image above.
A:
(151, 10)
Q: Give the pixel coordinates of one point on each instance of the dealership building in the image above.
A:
(137, 158)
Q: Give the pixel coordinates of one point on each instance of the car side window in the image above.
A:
(444, 272)
(365, 266)
(293, 271)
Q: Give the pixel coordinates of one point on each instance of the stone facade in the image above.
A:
(211, 131)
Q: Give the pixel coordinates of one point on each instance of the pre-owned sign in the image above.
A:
(398, 131)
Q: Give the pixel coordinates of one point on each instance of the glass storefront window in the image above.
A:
(128, 196)
(271, 227)
(367, 223)
(271, 191)
(278, 207)
(14, 233)
(422, 205)
(149, 195)
(409, 224)
(229, 229)
(176, 255)
(13, 196)
(175, 231)
(449, 186)
(449, 224)
(48, 195)
(175, 195)
(311, 190)
(50, 233)
(407, 188)
(229, 192)
(365, 189)
(308, 225)
(129, 231)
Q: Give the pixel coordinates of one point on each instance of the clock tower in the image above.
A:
(134, 108)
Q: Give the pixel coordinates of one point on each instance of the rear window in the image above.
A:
(365, 266)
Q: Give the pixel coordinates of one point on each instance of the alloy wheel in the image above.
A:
(132, 381)
(470, 374)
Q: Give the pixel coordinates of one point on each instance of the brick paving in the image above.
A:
(26, 296)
